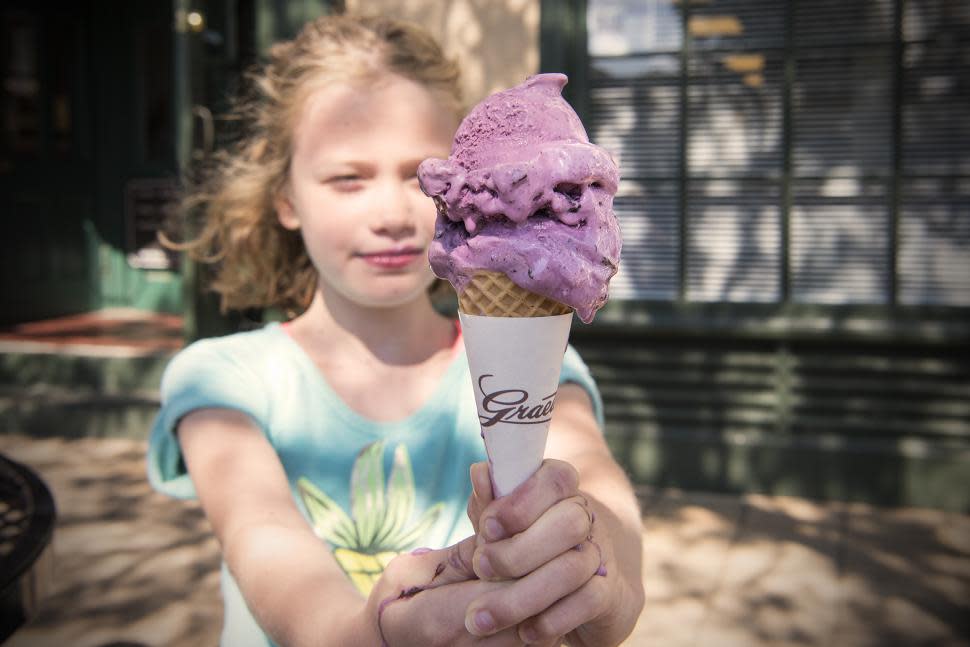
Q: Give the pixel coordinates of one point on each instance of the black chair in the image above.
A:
(27, 517)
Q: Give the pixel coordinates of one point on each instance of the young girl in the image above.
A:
(331, 451)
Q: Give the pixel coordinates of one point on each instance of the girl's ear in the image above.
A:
(285, 212)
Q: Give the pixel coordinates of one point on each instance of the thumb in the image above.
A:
(482, 493)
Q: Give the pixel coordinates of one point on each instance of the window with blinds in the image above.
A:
(813, 152)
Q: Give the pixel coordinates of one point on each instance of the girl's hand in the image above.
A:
(421, 599)
(544, 542)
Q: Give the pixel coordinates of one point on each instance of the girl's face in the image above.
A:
(352, 188)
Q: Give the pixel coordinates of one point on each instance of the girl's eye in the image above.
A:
(348, 182)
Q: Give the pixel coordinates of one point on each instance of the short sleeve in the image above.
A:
(574, 370)
(204, 375)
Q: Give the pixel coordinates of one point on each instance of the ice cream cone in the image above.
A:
(525, 208)
(515, 341)
(493, 294)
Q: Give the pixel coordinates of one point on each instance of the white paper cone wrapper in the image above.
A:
(515, 364)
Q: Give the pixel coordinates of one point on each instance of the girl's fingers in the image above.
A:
(506, 516)
(588, 603)
(535, 593)
(437, 617)
(564, 526)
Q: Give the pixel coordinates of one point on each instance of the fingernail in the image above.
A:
(493, 529)
(477, 484)
(480, 623)
(485, 571)
(420, 551)
(528, 635)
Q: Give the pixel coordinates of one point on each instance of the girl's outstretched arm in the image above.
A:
(581, 497)
(291, 583)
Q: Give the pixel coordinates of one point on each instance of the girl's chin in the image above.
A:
(397, 301)
(391, 293)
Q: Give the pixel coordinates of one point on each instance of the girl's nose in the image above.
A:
(395, 212)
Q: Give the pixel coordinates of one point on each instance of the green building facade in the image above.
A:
(793, 310)
(105, 104)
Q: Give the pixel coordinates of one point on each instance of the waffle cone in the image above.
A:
(492, 294)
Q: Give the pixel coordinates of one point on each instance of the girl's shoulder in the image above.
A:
(254, 341)
(241, 352)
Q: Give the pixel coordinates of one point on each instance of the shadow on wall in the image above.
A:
(841, 155)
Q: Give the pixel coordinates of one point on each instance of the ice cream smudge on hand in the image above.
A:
(525, 193)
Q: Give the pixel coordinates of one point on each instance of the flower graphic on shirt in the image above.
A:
(379, 525)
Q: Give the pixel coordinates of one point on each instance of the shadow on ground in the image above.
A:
(783, 571)
(136, 569)
(131, 567)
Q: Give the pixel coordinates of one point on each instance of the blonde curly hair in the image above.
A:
(255, 261)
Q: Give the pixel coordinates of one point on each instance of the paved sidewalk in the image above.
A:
(756, 570)
(134, 568)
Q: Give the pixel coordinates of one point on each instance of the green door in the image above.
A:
(133, 51)
(47, 160)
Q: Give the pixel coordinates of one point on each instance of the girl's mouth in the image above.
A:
(393, 258)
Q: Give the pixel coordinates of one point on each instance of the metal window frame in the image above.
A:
(563, 47)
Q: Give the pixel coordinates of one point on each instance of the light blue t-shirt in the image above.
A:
(370, 489)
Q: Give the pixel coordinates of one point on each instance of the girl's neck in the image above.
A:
(335, 330)
(400, 352)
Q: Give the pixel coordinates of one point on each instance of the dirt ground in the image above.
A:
(134, 568)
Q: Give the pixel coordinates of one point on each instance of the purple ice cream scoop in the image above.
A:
(525, 193)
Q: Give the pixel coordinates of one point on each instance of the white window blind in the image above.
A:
(733, 245)
(839, 241)
(934, 227)
(811, 152)
(637, 118)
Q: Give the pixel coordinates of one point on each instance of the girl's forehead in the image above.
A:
(374, 98)
(345, 111)
(334, 99)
